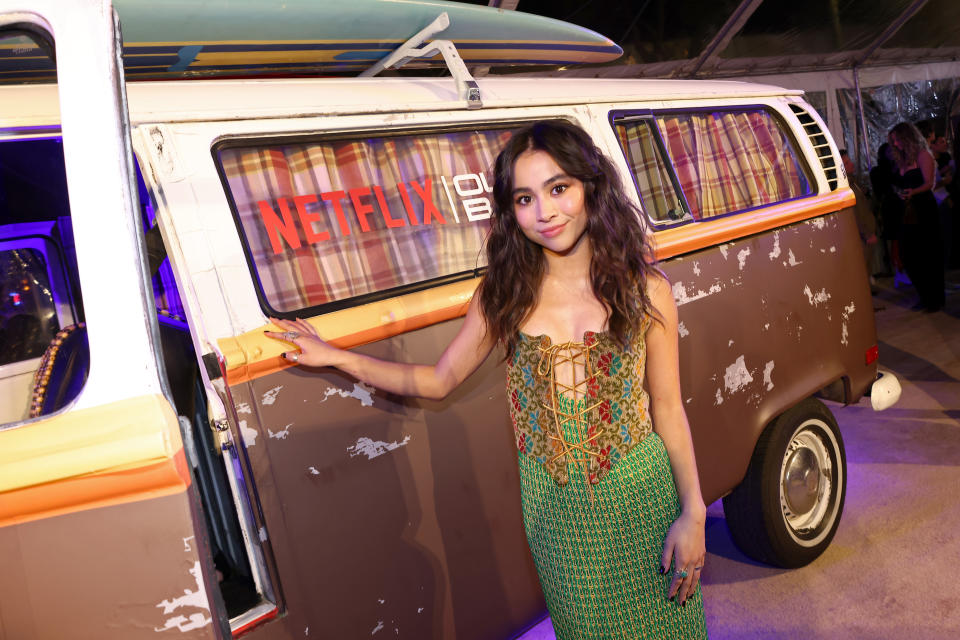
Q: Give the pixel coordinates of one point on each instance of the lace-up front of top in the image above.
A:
(590, 418)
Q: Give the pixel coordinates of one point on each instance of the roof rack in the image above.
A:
(467, 87)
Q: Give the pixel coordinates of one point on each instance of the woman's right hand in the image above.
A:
(312, 350)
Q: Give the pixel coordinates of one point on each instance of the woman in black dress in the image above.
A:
(920, 245)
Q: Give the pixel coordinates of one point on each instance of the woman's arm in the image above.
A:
(468, 349)
(685, 543)
(928, 166)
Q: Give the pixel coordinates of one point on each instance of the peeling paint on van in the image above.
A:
(244, 407)
(192, 599)
(360, 391)
(718, 399)
(775, 253)
(374, 448)
(378, 627)
(767, 375)
(186, 544)
(249, 435)
(723, 249)
(742, 257)
(818, 298)
(682, 330)
(791, 259)
(281, 434)
(696, 268)
(269, 397)
(682, 297)
(817, 223)
(737, 376)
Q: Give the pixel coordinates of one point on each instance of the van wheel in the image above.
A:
(788, 506)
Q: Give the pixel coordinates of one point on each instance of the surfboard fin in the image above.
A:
(467, 87)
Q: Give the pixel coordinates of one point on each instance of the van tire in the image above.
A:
(788, 507)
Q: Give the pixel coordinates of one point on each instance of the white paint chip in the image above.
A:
(360, 391)
(186, 545)
(420, 610)
(696, 268)
(718, 400)
(249, 435)
(282, 434)
(742, 257)
(381, 600)
(730, 343)
(767, 373)
(262, 534)
(191, 599)
(378, 627)
(244, 407)
(818, 298)
(271, 396)
(723, 250)
(791, 260)
(775, 253)
(818, 223)
(737, 376)
(682, 330)
(313, 471)
(682, 297)
(844, 333)
(374, 448)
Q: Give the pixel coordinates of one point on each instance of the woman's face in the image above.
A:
(548, 204)
(894, 141)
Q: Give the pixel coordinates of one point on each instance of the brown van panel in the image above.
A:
(390, 515)
(765, 322)
(124, 571)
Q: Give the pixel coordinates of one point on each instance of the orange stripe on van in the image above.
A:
(253, 355)
(83, 458)
(153, 480)
(693, 237)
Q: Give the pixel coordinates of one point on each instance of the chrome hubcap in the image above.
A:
(805, 480)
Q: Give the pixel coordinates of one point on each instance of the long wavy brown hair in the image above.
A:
(622, 258)
(913, 144)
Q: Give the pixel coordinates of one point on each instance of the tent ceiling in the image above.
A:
(720, 38)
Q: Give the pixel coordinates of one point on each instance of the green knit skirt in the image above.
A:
(597, 560)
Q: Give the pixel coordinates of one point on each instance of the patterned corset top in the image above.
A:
(610, 412)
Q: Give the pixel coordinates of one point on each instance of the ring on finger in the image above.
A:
(290, 336)
(680, 573)
(295, 357)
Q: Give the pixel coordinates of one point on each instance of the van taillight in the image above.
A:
(872, 354)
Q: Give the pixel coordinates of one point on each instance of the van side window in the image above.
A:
(640, 142)
(728, 161)
(327, 221)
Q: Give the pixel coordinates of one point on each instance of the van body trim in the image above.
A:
(78, 459)
(705, 233)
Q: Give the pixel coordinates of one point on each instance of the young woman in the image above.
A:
(611, 500)
(921, 245)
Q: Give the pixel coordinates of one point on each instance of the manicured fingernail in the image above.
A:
(662, 570)
(683, 604)
(283, 355)
(672, 597)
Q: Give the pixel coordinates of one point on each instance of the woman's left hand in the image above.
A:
(685, 545)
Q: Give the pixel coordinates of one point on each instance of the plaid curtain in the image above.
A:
(330, 220)
(730, 161)
(650, 172)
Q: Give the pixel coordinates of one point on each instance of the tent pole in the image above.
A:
(864, 141)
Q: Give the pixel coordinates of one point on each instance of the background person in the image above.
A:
(609, 489)
(921, 248)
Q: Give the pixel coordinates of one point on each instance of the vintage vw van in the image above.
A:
(164, 471)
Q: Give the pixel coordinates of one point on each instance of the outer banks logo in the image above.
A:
(285, 219)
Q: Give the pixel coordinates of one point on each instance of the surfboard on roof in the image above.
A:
(189, 39)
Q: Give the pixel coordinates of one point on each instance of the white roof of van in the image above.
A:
(229, 99)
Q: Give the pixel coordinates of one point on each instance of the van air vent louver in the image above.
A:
(820, 144)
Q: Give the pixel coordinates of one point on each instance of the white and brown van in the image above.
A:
(163, 470)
